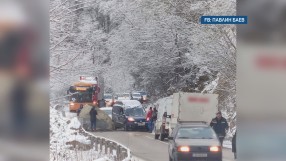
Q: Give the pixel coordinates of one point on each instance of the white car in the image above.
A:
(136, 96)
(124, 96)
(107, 110)
(109, 100)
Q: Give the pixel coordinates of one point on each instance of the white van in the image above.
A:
(184, 107)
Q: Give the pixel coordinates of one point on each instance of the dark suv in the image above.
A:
(128, 117)
(194, 141)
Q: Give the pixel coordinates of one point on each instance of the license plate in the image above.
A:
(200, 155)
(141, 124)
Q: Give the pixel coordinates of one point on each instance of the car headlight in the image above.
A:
(214, 148)
(131, 119)
(72, 104)
(184, 149)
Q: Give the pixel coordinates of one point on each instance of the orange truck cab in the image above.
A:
(85, 91)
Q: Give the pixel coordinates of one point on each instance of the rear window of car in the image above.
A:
(126, 95)
(195, 133)
(134, 112)
(136, 95)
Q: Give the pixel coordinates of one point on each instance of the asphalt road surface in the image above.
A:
(144, 146)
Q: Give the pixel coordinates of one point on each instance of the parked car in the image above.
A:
(107, 110)
(144, 96)
(194, 141)
(129, 114)
(124, 96)
(137, 96)
(109, 100)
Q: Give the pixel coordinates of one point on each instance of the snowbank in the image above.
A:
(69, 141)
(66, 141)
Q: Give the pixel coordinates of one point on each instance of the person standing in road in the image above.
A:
(149, 119)
(141, 100)
(220, 125)
(234, 145)
(78, 113)
(79, 110)
(93, 114)
(154, 118)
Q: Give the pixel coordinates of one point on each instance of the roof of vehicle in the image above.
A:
(130, 103)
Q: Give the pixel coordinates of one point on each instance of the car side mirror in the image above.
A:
(170, 137)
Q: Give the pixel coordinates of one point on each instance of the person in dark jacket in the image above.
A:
(154, 117)
(220, 125)
(93, 114)
(154, 114)
(79, 110)
(234, 145)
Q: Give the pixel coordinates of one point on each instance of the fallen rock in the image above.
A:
(103, 121)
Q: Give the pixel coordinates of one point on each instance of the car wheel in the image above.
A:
(157, 136)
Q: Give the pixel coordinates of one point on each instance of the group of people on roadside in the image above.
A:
(151, 118)
(220, 126)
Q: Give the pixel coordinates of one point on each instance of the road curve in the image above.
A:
(144, 146)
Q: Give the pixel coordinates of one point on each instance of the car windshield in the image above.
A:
(81, 97)
(134, 112)
(143, 93)
(195, 133)
(107, 96)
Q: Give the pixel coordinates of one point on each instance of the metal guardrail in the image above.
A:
(110, 148)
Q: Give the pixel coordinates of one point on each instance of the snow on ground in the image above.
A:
(67, 141)
(211, 87)
(103, 159)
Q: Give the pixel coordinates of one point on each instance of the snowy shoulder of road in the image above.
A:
(67, 142)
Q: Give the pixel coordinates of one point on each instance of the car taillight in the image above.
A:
(131, 119)
(214, 149)
(147, 119)
(184, 149)
(94, 102)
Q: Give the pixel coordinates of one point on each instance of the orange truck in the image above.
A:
(85, 91)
